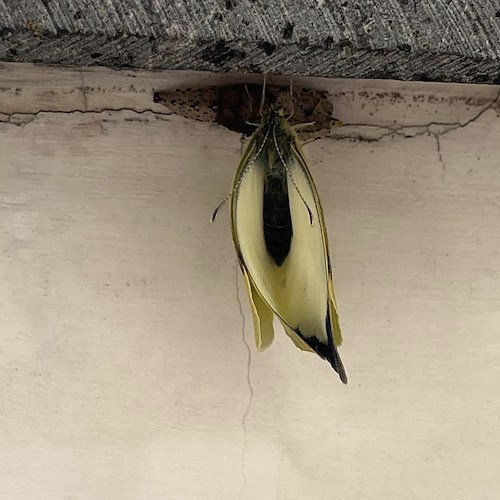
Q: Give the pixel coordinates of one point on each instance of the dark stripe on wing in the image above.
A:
(326, 351)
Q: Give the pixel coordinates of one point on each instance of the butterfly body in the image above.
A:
(280, 238)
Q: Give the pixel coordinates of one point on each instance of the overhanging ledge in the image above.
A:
(430, 40)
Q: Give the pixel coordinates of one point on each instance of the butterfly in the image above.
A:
(281, 242)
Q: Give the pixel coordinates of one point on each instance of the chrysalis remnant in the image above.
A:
(238, 107)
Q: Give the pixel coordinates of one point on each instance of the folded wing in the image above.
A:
(299, 290)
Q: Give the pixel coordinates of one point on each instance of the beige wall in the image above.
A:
(124, 367)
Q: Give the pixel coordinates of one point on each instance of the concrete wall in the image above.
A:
(127, 361)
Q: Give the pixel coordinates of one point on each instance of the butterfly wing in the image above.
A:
(300, 289)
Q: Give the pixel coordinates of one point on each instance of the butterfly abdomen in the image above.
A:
(277, 219)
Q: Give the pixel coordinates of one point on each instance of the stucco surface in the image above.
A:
(127, 362)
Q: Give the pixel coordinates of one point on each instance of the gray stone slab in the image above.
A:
(437, 40)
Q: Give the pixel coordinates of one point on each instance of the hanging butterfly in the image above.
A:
(280, 238)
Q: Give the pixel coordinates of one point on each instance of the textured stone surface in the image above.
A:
(438, 40)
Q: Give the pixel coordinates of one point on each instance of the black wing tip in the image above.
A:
(334, 359)
(327, 352)
(332, 354)
(341, 372)
(337, 365)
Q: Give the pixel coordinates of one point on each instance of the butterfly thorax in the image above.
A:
(276, 137)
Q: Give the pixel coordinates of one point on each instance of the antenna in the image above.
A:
(291, 99)
(263, 97)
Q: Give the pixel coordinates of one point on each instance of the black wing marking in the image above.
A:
(327, 351)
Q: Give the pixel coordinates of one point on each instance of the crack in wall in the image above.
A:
(84, 91)
(433, 128)
(440, 155)
(405, 131)
(21, 119)
(249, 383)
(420, 129)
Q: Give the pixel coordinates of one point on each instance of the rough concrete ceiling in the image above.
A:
(438, 40)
